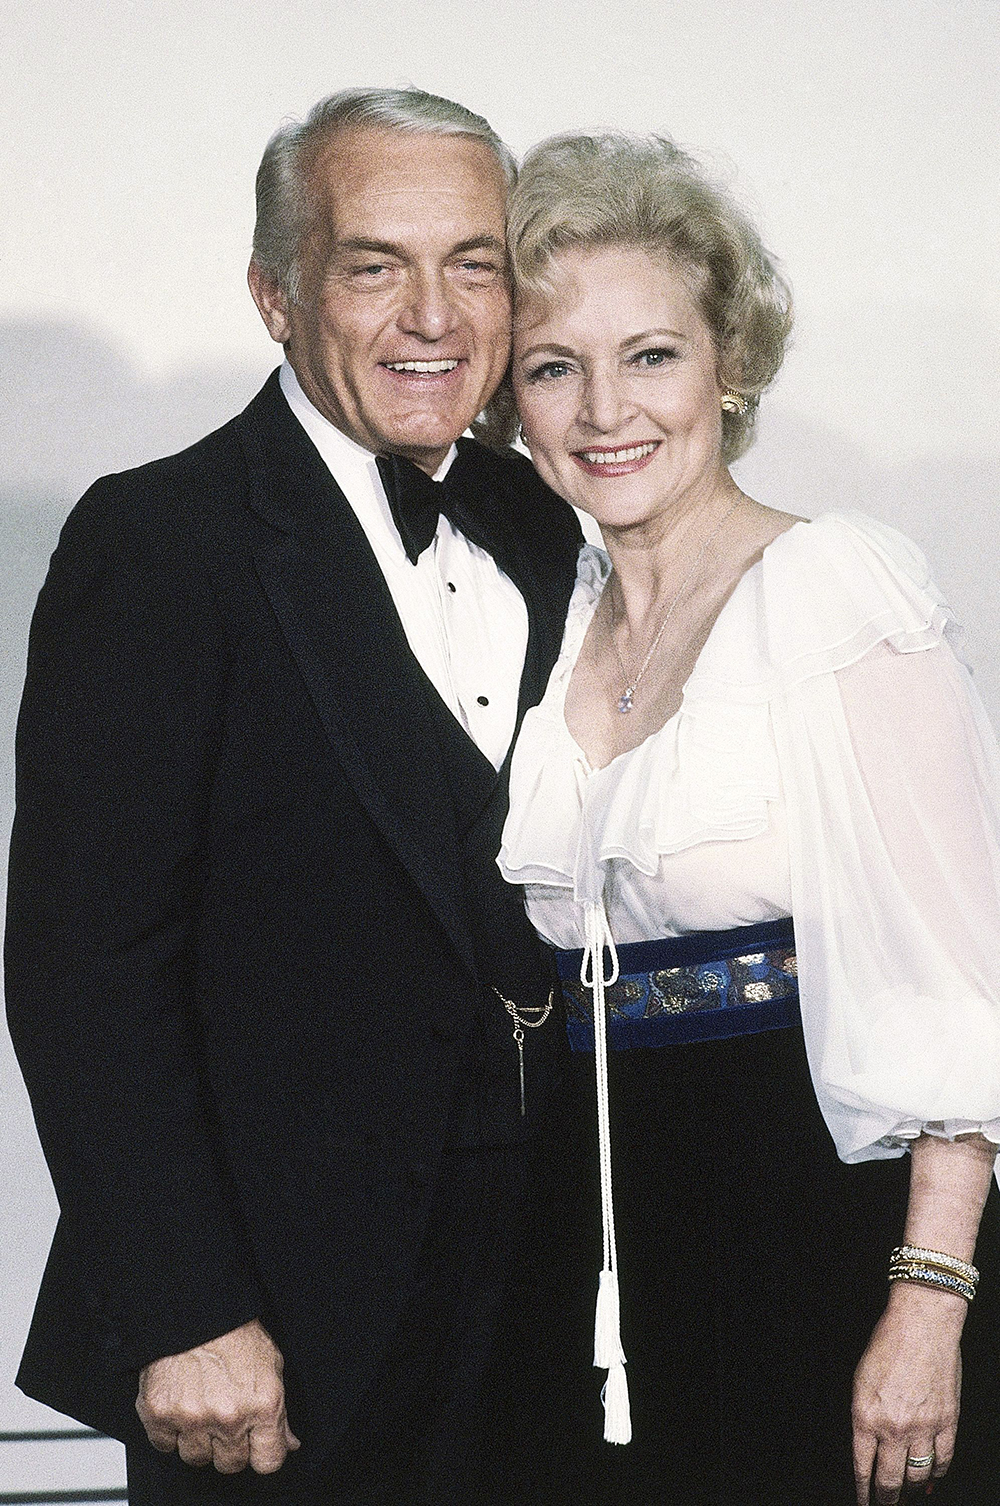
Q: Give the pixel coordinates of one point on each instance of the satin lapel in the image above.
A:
(338, 617)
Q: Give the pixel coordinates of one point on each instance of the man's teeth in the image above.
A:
(617, 457)
(423, 366)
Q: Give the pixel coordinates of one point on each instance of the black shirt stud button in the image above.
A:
(483, 700)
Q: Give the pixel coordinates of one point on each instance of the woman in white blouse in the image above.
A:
(754, 717)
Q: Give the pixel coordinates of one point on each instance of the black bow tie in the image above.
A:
(416, 502)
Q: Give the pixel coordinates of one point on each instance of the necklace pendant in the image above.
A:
(625, 701)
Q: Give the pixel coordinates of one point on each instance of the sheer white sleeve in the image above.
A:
(893, 784)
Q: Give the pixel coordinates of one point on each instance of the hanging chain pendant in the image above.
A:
(518, 1013)
(626, 697)
(519, 1038)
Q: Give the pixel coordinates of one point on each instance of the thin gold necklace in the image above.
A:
(628, 694)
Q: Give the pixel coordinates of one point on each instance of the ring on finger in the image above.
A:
(921, 1463)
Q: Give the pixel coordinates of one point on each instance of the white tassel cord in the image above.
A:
(608, 1352)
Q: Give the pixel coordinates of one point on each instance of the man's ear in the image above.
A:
(271, 301)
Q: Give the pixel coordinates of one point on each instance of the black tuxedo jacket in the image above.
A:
(242, 968)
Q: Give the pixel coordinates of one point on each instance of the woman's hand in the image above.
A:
(906, 1394)
(907, 1386)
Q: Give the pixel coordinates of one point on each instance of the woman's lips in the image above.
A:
(621, 461)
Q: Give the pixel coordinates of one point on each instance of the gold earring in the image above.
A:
(733, 402)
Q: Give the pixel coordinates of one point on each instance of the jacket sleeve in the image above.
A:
(117, 740)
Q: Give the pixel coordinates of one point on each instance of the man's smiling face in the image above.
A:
(401, 330)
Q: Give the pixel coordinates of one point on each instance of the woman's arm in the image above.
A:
(907, 1386)
(894, 802)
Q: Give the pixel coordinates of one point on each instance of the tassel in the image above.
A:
(617, 1417)
(608, 1349)
(610, 1356)
(608, 1352)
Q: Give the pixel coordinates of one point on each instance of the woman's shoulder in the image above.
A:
(829, 590)
(853, 537)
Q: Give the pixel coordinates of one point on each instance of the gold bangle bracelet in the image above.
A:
(926, 1275)
(937, 1259)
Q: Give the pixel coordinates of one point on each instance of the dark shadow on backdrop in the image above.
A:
(76, 409)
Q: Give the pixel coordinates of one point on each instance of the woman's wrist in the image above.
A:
(914, 1302)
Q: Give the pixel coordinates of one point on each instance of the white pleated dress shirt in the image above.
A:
(465, 621)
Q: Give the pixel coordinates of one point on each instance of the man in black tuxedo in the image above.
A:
(272, 1001)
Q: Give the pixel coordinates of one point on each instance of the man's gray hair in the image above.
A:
(284, 205)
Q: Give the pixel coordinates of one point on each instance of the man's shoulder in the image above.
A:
(206, 478)
(217, 454)
(505, 463)
(523, 494)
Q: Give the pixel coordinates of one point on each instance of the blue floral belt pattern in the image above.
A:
(702, 986)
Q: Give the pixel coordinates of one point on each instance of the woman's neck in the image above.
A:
(650, 559)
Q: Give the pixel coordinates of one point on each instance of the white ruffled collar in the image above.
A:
(821, 595)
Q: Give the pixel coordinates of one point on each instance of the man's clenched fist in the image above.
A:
(222, 1403)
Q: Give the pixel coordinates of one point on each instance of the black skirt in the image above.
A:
(753, 1268)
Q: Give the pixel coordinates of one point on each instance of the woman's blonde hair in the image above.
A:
(579, 191)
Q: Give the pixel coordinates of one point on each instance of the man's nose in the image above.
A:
(606, 403)
(428, 310)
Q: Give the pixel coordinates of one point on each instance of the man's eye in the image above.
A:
(371, 269)
(480, 269)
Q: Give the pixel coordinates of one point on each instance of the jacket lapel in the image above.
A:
(338, 618)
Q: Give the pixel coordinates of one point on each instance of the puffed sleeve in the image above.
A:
(892, 779)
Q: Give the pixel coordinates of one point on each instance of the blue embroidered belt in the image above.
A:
(699, 987)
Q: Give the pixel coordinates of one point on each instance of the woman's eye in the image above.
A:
(650, 359)
(551, 370)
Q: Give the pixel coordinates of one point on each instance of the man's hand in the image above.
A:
(222, 1403)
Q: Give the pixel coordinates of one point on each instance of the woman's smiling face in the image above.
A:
(616, 383)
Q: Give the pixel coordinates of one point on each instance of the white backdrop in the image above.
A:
(864, 134)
